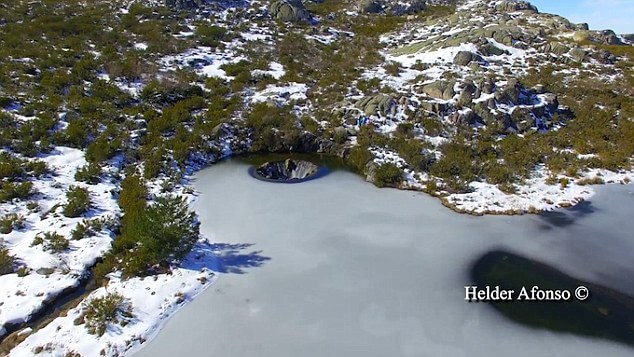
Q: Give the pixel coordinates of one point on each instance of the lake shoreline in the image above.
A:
(132, 342)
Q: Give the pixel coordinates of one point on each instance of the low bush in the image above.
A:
(388, 175)
(78, 201)
(393, 68)
(15, 190)
(89, 173)
(160, 233)
(101, 312)
(86, 228)
(51, 242)
(359, 158)
(591, 181)
(7, 261)
(10, 222)
(210, 35)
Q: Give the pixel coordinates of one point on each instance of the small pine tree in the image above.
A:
(78, 202)
(166, 231)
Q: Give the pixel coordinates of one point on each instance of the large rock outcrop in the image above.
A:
(440, 90)
(382, 104)
(369, 6)
(289, 11)
(398, 8)
(463, 58)
(511, 6)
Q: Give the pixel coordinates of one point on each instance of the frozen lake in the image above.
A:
(337, 267)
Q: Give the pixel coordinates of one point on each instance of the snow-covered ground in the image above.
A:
(533, 196)
(48, 274)
(153, 300)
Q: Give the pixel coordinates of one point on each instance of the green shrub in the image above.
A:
(551, 180)
(101, 150)
(414, 152)
(392, 68)
(51, 242)
(75, 135)
(564, 182)
(77, 202)
(210, 35)
(340, 136)
(87, 228)
(33, 206)
(405, 130)
(101, 312)
(80, 231)
(15, 190)
(499, 174)
(269, 126)
(507, 188)
(456, 163)
(359, 158)
(7, 262)
(388, 175)
(235, 69)
(10, 222)
(90, 173)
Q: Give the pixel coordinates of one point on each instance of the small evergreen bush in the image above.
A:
(78, 202)
(101, 312)
(7, 262)
(388, 175)
(51, 241)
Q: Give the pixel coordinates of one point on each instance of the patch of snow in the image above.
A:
(281, 93)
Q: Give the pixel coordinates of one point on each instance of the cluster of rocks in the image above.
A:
(384, 105)
(457, 100)
(181, 5)
(391, 7)
(295, 10)
(606, 37)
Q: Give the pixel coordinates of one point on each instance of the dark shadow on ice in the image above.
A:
(565, 217)
(582, 209)
(600, 312)
(224, 258)
(557, 218)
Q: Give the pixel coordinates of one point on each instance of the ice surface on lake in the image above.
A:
(337, 267)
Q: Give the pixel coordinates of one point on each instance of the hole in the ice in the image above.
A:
(287, 171)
